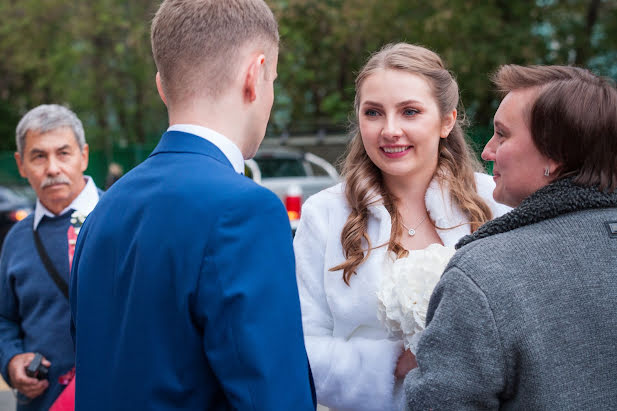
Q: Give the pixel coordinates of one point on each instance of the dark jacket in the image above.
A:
(34, 315)
(524, 316)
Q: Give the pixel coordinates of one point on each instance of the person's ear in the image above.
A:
(84, 157)
(448, 124)
(159, 87)
(254, 71)
(20, 164)
(551, 168)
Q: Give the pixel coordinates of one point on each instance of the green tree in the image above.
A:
(326, 42)
(95, 56)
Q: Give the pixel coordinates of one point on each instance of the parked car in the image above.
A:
(15, 205)
(292, 175)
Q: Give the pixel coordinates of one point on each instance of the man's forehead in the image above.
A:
(51, 139)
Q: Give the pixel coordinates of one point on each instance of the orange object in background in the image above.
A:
(19, 215)
(293, 202)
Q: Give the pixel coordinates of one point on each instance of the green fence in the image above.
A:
(8, 169)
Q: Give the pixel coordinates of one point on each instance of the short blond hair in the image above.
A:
(196, 43)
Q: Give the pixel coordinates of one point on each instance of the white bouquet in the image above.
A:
(406, 288)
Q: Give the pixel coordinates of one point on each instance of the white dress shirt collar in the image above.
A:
(84, 203)
(228, 147)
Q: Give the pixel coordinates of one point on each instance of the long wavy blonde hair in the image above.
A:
(363, 180)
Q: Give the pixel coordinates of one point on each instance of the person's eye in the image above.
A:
(371, 112)
(410, 112)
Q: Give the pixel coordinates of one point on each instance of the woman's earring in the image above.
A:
(547, 172)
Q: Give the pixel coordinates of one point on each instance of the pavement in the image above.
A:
(7, 399)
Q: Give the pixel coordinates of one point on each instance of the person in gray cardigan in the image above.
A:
(525, 314)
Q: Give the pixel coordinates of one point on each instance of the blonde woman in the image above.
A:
(409, 182)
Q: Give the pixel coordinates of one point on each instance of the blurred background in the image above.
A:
(95, 57)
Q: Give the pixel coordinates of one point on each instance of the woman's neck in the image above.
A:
(409, 190)
(417, 231)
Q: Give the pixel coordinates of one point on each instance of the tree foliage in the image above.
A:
(92, 56)
(326, 42)
(95, 56)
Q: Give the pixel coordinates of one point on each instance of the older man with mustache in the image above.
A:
(35, 262)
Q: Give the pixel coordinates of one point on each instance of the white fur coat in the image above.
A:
(351, 357)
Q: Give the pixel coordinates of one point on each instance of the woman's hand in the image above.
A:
(406, 362)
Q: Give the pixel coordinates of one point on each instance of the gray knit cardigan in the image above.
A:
(525, 315)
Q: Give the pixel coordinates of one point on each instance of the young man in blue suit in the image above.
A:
(183, 292)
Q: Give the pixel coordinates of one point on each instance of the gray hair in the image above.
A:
(45, 118)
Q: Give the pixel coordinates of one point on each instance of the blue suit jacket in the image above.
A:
(183, 291)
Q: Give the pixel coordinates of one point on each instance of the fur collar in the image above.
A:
(451, 223)
(557, 198)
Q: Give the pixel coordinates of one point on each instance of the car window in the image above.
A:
(318, 171)
(280, 167)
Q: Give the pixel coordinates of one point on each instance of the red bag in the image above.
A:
(66, 399)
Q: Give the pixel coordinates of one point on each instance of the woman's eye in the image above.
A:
(371, 113)
(410, 112)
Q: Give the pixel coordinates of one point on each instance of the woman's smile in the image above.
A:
(395, 151)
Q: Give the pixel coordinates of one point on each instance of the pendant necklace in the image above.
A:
(412, 231)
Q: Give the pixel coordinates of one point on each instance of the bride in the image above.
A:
(409, 183)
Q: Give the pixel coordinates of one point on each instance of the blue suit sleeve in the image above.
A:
(248, 302)
(11, 342)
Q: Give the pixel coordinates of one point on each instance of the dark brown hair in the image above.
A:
(573, 120)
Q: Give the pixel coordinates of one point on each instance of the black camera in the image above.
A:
(36, 369)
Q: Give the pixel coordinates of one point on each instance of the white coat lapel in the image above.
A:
(452, 224)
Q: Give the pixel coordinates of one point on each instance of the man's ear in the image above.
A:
(252, 78)
(85, 157)
(448, 123)
(159, 87)
(20, 164)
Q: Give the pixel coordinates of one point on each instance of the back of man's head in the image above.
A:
(197, 43)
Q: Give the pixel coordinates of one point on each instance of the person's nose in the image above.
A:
(391, 128)
(488, 154)
(53, 166)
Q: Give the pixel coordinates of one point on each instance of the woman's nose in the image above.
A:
(488, 154)
(391, 129)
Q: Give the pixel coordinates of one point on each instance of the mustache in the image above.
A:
(49, 181)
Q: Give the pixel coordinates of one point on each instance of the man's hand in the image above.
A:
(30, 387)
(406, 362)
